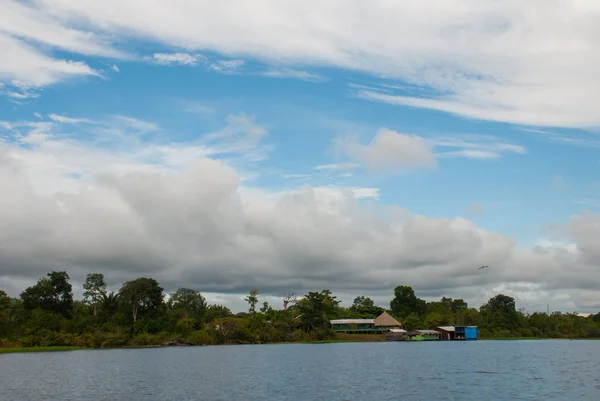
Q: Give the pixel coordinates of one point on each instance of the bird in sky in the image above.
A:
(483, 267)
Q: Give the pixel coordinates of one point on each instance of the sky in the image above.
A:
(301, 145)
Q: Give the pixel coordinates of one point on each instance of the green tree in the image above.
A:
(252, 300)
(316, 309)
(52, 293)
(405, 302)
(95, 290)
(142, 297)
(214, 312)
(500, 313)
(109, 303)
(365, 307)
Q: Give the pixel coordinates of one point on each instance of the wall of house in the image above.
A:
(471, 333)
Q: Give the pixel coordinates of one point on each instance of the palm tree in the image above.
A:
(109, 303)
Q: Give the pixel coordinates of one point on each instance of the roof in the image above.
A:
(398, 331)
(385, 319)
(427, 331)
(446, 328)
(352, 321)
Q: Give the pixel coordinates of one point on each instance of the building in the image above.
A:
(424, 335)
(353, 325)
(461, 333)
(396, 335)
(466, 333)
(385, 322)
(381, 324)
(447, 332)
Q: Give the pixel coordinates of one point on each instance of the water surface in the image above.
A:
(482, 370)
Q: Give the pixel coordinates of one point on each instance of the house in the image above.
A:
(385, 322)
(466, 333)
(352, 325)
(447, 332)
(461, 333)
(396, 335)
(424, 335)
(381, 324)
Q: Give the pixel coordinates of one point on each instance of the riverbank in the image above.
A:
(339, 338)
(38, 349)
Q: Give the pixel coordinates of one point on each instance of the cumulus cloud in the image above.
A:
(389, 150)
(505, 61)
(68, 205)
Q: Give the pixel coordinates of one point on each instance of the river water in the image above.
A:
(481, 370)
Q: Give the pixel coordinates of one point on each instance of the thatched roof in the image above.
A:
(385, 319)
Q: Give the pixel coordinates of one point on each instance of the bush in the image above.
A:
(201, 337)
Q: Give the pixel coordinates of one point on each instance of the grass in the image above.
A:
(38, 349)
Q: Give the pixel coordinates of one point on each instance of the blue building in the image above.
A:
(466, 333)
(460, 333)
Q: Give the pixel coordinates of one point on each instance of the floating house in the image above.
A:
(396, 335)
(466, 333)
(461, 333)
(381, 324)
(424, 335)
(447, 332)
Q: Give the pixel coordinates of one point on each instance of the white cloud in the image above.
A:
(293, 74)
(193, 224)
(529, 64)
(176, 58)
(67, 120)
(227, 66)
(137, 124)
(338, 166)
(389, 150)
(115, 68)
(32, 24)
(475, 147)
(22, 62)
(55, 160)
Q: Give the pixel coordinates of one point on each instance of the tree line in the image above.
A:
(141, 314)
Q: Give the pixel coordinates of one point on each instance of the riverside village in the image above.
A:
(392, 329)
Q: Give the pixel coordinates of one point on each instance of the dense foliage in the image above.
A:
(140, 314)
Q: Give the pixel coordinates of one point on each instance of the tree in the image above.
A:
(252, 300)
(52, 294)
(188, 303)
(362, 302)
(109, 303)
(316, 309)
(365, 307)
(142, 296)
(214, 312)
(4, 300)
(95, 290)
(405, 302)
(500, 313)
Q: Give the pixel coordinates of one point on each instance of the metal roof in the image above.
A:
(446, 328)
(398, 331)
(352, 321)
(427, 331)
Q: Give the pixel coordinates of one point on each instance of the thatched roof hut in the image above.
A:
(386, 320)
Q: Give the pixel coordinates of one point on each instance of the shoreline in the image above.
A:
(15, 350)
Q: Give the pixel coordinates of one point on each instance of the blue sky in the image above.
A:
(481, 113)
(547, 182)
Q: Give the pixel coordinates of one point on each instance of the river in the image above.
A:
(481, 370)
